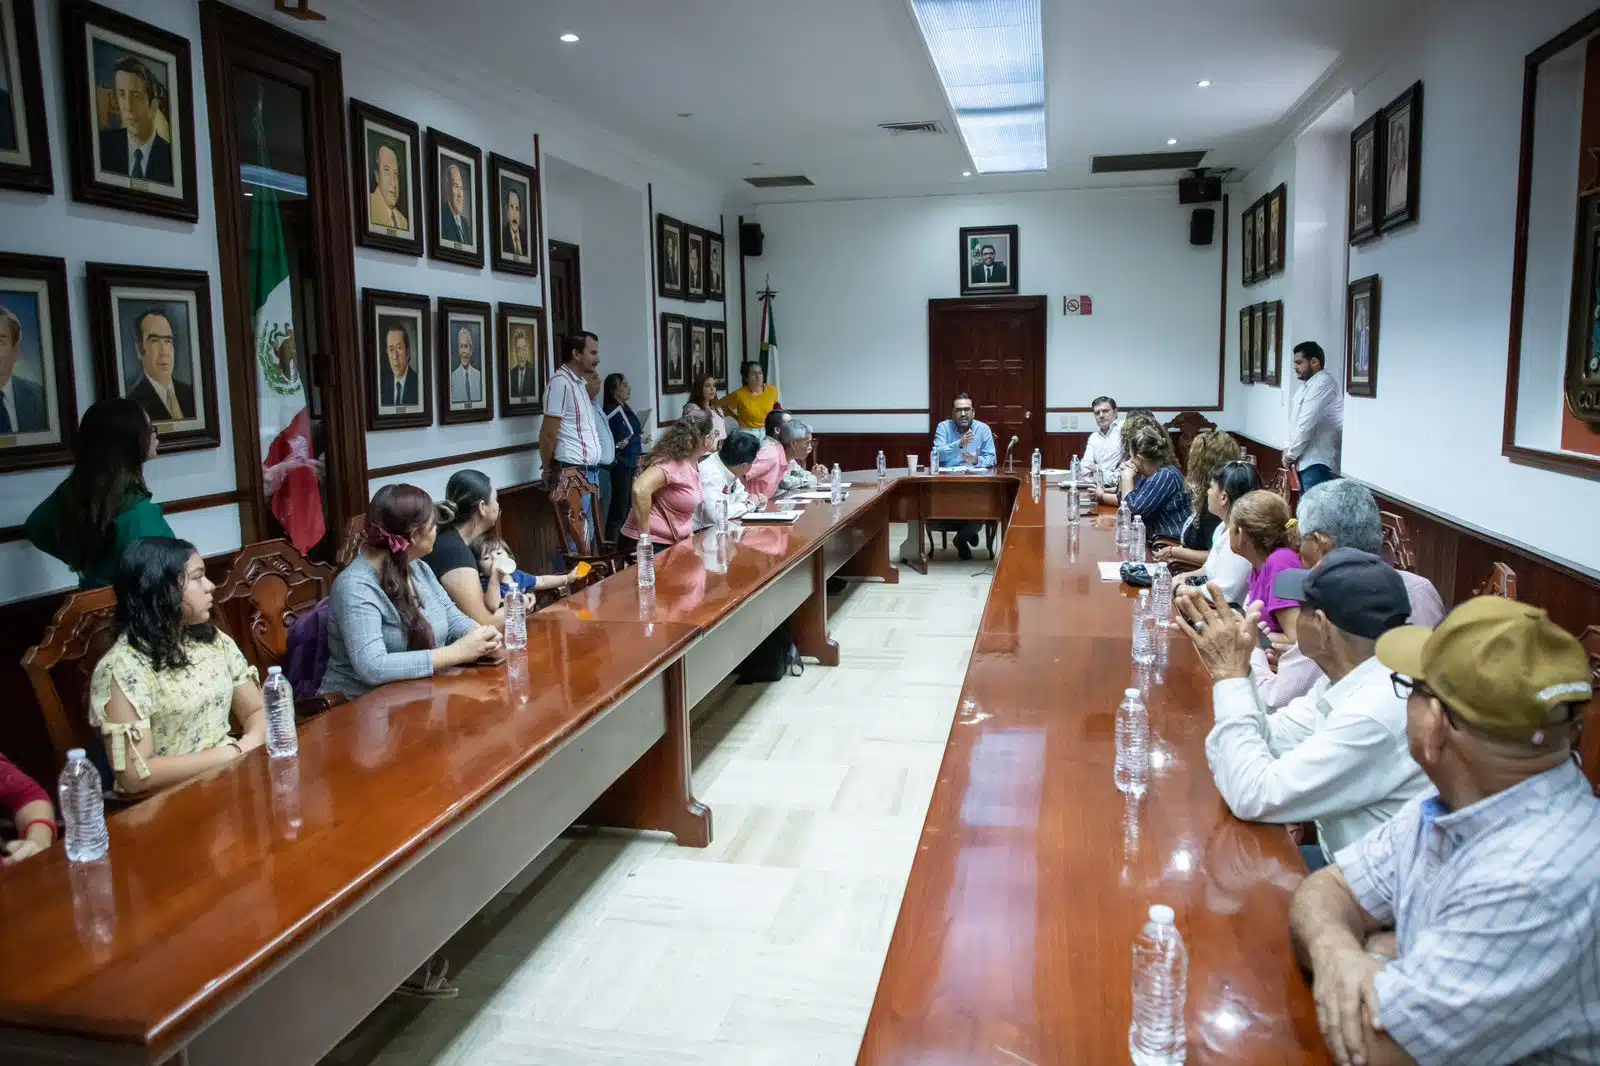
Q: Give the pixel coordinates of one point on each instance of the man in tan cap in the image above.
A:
(1492, 886)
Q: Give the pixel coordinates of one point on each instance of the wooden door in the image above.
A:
(566, 293)
(994, 350)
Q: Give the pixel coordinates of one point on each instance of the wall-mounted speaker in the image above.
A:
(1202, 225)
(751, 239)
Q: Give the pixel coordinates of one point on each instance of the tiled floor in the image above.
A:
(763, 949)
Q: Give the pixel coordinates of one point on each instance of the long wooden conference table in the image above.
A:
(256, 915)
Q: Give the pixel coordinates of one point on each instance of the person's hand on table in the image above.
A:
(1347, 1001)
(17, 850)
(479, 643)
(1163, 554)
(819, 471)
(1223, 637)
(252, 740)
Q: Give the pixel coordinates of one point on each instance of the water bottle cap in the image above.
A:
(75, 754)
(1161, 915)
(274, 670)
(1131, 693)
(1144, 594)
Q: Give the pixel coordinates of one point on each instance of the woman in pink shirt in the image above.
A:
(1261, 528)
(667, 490)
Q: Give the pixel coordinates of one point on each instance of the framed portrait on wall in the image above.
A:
(989, 260)
(1259, 210)
(513, 216)
(130, 112)
(699, 350)
(1272, 333)
(1361, 337)
(520, 333)
(40, 419)
(152, 344)
(1246, 360)
(455, 207)
(674, 361)
(1366, 191)
(694, 244)
(669, 257)
(465, 361)
(1247, 245)
(24, 139)
(1402, 158)
(387, 153)
(396, 331)
(716, 282)
(1258, 343)
(719, 354)
(1277, 229)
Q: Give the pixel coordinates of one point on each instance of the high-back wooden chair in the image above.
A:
(351, 545)
(1396, 542)
(1188, 425)
(1502, 581)
(61, 665)
(1589, 740)
(268, 588)
(582, 533)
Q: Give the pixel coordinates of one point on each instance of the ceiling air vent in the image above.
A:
(780, 181)
(1124, 164)
(899, 129)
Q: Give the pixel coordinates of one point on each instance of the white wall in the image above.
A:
(856, 276)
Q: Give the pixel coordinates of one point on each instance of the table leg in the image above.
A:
(808, 626)
(657, 791)
(872, 560)
(913, 551)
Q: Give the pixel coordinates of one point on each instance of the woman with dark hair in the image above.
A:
(629, 436)
(704, 395)
(1152, 487)
(1207, 452)
(722, 474)
(667, 490)
(390, 619)
(1220, 566)
(103, 506)
(751, 403)
(167, 694)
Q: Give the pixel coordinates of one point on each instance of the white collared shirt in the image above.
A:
(399, 390)
(717, 480)
(466, 384)
(1228, 570)
(1337, 755)
(602, 431)
(1316, 418)
(1104, 450)
(577, 437)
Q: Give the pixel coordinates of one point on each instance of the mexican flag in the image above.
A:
(293, 489)
(769, 340)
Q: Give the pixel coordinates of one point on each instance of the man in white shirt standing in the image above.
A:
(1316, 418)
(608, 441)
(1337, 755)
(1102, 455)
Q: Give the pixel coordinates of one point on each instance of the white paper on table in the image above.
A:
(812, 494)
(1111, 571)
(771, 517)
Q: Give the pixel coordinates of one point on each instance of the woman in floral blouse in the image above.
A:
(169, 692)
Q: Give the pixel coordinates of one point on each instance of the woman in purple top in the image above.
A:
(1261, 528)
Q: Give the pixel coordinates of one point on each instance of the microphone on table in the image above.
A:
(1013, 444)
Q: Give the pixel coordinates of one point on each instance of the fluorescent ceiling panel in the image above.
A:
(990, 56)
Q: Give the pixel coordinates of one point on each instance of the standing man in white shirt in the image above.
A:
(608, 442)
(1316, 418)
(570, 435)
(1102, 455)
(1337, 755)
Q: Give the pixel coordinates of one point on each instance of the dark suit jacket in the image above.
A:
(505, 240)
(115, 159)
(28, 398)
(155, 406)
(386, 389)
(524, 383)
(8, 124)
(997, 274)
(448, 230)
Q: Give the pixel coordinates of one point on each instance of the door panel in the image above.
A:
(994, 350)
(566, 293)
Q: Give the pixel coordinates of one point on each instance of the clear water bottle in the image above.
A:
(933, 462)
(1136, 540)
(1038, 463)
(278, 695)
(1161, 594)
(1077, 468)
(1072, 542)
(1124, 520)
(1144, 645)
(83, 806)
(646, 558)
(1132, 768)
(883, 467)
(516, 605)
(1157, 1036)
(1074, 501)
(836, 486)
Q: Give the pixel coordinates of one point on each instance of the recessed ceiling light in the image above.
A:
(966, 173)
(1172, 140)
(1204, 83)
(569, 38)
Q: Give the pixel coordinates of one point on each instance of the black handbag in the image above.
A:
(1136, 575)
(773, 659)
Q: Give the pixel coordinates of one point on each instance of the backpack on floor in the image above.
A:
(772, 659)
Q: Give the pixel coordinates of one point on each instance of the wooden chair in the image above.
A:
(1396, 542)
(1502, 582)
(61, 665)
(1188, 425)
(946, 528)
(353, 531)
(581, 533)
(1589, 739)
(269, 586)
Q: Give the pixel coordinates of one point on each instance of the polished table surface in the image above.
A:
(1034, 874)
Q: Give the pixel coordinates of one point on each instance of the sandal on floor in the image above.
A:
(429, 982)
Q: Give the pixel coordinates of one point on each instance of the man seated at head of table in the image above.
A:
(389, 619)
(721, 474)
(778, 466)
(1489, 881)
(667, 490)
(1102, 453)
(1336, 755)
(962, 440)
(173, 687)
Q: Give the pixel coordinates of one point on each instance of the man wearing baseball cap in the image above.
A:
(1336, 755)
(1492, 885)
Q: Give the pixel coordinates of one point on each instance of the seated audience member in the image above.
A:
(1131, 425)
(1343, 514)
(1336, 755)
(1261, 531)
(31, 813)
(628, 433)
(777, 467)
(1490, 886)
(103, 506)
(704, 395)
(496, 565)
(1152, 486)
(1221, 567)
(962, 440)
(721, 474)
(390, 619)
(1209, 450)
(169, 691)
(667, 490)
(1102, 454)
(751, 403)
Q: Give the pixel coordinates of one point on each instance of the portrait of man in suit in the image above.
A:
(697, 358)
(513, 227)
(157, 332)
(523, 365)
(697, 264)
(22, 401)
(1363, 168)
(466, 376)
(1361, 342)
(10, 142)
(385, 199)
(1398, 186)
(398, 384)
(989, 268)
(669, 267)
(675, 354)
(715, 256)
(138, 146)
(455, 210)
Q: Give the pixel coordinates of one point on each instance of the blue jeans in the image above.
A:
(1314, 475)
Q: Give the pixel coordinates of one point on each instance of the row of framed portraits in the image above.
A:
(1361, 333)
(1261, 343)
(691, 348)
(151, 338)
(690, 261)
(1264, 236)
(467, 351)
(1386, 168)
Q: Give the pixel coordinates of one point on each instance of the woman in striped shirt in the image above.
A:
(1153, 487)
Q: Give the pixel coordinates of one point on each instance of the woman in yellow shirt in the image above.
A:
(752, 403)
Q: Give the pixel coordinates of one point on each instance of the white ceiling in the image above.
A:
(799, 86)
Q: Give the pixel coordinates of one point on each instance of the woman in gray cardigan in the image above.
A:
(390, 619)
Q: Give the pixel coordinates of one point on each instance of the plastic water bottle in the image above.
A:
(883, 467)
(1077, 468)
(1144, 645)
(1161, 595)
(278, 695)
(933, 462)
(1132, 768)
(836, 486)
(83, 806)
(516, 605)
(1136, 540)
(1157, 1036)
(1124, 520)
(1074, 501)
(647, 563)
(1038, 463)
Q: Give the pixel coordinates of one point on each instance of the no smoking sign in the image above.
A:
(1077, 305)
